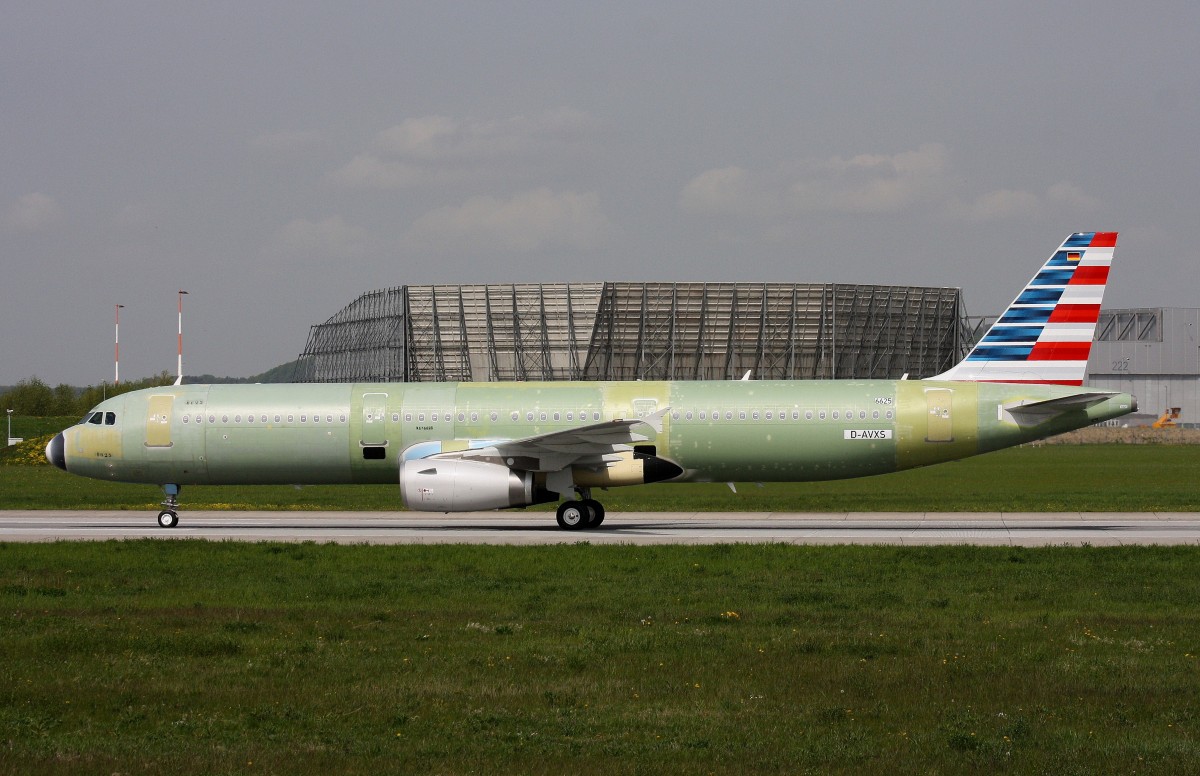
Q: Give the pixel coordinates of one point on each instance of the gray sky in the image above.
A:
(276, 159)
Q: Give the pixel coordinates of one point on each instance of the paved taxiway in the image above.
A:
(899, 528)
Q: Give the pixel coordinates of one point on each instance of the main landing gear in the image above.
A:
(587, 512)
(169, 516)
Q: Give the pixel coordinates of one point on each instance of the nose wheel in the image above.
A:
(169, 516)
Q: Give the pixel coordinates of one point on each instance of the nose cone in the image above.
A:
(55, 451)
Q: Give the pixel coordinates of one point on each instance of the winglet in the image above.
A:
(1045, 335)
(655, 420)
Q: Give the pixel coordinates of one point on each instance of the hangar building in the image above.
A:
(1153, 353)
(635, 331)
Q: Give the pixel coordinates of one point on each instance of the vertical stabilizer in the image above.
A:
(1046, 334)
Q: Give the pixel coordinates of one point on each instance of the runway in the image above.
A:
(524, 528)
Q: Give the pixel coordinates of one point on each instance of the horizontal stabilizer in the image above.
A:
(1037, 412)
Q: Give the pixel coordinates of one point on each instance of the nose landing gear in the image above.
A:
(169, 517)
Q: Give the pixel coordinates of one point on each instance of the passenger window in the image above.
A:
(276, 418)
(808, 414)
(475, 417)
(595, 416)
(821, 414)
(514, 415)
(556, 417)
(494, 416)
(835, 414)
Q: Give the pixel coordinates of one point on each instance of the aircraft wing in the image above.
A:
(593, 445)
(1040, 411)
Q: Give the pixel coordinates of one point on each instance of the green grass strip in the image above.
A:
(191, 657)
(1091, 478)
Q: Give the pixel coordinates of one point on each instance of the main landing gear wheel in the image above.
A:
(168, 519)
(595, 512)
(573, 515)
(577, 515)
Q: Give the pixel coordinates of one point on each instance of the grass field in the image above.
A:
(1099, 478)
(190, 657)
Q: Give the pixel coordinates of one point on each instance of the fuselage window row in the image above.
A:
(109, 418)
(263, 419)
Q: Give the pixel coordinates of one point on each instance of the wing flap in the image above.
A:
(596, 445)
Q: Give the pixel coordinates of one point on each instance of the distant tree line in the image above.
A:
(35, 398)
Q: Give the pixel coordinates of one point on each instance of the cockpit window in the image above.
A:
(96, 418)
(110, 418)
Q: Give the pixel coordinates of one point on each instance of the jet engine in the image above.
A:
(455, 485)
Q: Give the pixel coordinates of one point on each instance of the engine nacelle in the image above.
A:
(455, 485)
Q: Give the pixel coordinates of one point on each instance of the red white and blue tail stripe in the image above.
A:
(1046, 334)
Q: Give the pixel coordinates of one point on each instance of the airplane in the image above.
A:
(456, 447)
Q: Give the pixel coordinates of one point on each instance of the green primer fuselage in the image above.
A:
(715, 431)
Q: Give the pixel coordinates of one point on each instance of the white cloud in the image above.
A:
(32, 213)
(1003, 204)
(919, 180)
(529, 221)
(440, 149)
(998, 205)
(866, 183)
(367, 171)
(329, 238)
(1068, 194)
(724, 190)
(283, 144)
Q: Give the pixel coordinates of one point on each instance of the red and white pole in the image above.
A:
(179, 367)
(117, 348)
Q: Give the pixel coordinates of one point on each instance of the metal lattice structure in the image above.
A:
(636, 331)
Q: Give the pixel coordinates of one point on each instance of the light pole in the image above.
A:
(8, 440)
(179, 369)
